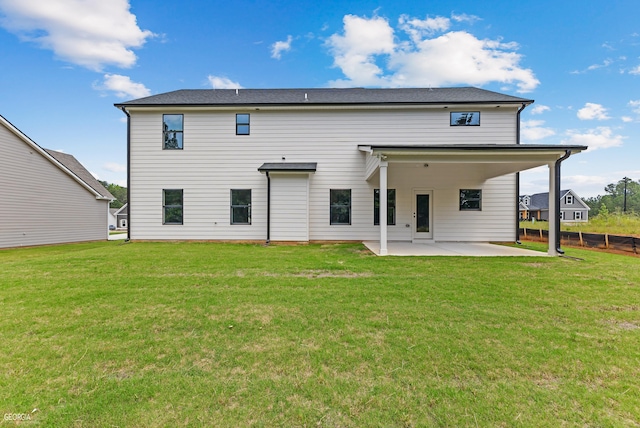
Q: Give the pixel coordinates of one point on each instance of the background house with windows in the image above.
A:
(536, 206)
(323, 164)
(49, 197)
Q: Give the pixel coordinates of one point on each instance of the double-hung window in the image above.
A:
(569, 199)
(172, 129)
(242, 124)
(391, 207)
(172, 206)
(240, 206)
(340, 206)
(470, 200)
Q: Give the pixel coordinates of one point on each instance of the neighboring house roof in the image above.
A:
(123, 210)
(77, 172)
(113, 211)
(330, 96)
(540, 201)
(80, 171)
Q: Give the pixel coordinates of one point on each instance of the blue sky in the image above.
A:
(64, 63)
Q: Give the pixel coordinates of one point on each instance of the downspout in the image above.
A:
(128, 173)
(567, 153)
(268, 208)
(518, 177)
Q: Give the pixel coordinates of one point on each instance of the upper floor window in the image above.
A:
(340, 206)
(172, 205)
(470, 200)
(465, 118)
(569, 199)
(172, 128)
(240, 206)
(391, 207)
(242, 124)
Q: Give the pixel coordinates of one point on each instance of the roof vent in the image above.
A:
(236, 91)
(305, 97)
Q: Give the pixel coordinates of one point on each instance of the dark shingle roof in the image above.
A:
(72, 164)
(540, 201)
(231, 97)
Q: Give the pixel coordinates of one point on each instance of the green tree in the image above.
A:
(614, 199)
(119, 192)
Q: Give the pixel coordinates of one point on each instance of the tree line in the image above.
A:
(119, 192)
(615, 200)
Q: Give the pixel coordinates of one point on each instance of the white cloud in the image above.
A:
(539, 109)
(626, 119)
(123, 86)
(89, 33)
(592, 111)
(532, 130)
(354, 51)
(635, 70)
(463, 17)
(635, 107)
(598, 138)
(282, 46)
(221, 82)
(455, 57)
(417, 29)
(114, 167)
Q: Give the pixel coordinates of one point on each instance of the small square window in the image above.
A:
(172, 206)
(465, 118)
(340, 206)
(470, 200)
(172, 129)
(240, 206)
(391, 207)
(242, 124)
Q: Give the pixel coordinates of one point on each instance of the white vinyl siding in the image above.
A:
(289, 207)
(42, 204)
(215, 160)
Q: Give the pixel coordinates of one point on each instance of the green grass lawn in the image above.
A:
(199, 334)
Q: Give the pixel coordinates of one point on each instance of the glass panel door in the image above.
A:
(422, 213)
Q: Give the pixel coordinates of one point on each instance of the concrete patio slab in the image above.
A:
(473, 249)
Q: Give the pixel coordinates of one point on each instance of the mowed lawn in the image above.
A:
(199, 334)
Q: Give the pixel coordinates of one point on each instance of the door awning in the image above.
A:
(288, 167)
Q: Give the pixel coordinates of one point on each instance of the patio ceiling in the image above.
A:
(500, 158)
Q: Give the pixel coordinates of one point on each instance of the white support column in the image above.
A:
(383, 207)
(553, 209)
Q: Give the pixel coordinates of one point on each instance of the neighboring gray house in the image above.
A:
(572, 208)
(122, 215)
(48, 197)
(434, 164)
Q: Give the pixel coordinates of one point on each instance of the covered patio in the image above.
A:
(494, 160)
(469, 249)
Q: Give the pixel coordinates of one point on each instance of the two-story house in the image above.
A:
(572, 207)
(418, 165)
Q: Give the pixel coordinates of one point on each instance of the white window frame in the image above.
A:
(568, 199)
